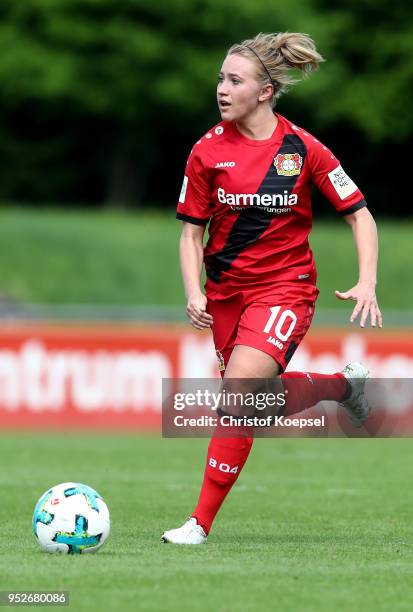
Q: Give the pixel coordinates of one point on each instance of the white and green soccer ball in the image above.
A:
(71, 518)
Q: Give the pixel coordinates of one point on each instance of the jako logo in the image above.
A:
(255, 199)
(225, 165)
(275, 342)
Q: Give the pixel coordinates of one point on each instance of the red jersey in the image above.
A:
(255, 194)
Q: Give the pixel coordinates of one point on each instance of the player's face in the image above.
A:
(238, 90)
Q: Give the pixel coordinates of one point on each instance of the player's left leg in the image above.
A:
(306, 389)
(276, 324)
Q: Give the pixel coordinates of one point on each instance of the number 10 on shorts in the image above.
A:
(276, 323)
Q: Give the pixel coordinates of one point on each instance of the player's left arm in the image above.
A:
(364, 292)
(331, 179)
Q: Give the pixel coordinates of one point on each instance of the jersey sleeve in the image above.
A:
(194, 205)
(331, 179)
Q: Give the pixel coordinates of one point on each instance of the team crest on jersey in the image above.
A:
(288, 164)
(221, 362)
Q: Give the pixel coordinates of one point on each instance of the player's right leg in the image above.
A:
(189, 533)
(226, 456)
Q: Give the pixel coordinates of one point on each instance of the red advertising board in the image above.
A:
(109, 376)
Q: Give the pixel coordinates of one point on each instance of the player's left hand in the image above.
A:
(365, 296)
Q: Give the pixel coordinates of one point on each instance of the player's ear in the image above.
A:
(266, 93)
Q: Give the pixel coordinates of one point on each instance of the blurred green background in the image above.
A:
(102, 100)
(127, 258)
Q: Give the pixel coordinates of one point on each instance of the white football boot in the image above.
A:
(189, 533)
(356, 403)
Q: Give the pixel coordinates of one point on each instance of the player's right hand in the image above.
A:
(196, 311)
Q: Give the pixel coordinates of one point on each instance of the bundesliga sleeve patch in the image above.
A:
(342, 183)
(183, 190)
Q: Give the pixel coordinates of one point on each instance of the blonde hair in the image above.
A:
(275, 54)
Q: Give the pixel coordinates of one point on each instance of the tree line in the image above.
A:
(101, 100)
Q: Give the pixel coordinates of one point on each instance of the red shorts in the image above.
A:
(274, 320)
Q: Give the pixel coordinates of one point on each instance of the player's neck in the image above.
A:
(259, 125)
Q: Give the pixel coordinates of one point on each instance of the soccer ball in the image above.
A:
(71, 518)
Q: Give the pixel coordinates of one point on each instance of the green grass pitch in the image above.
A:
(311, 524)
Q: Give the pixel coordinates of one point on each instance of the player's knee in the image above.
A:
(237, 393)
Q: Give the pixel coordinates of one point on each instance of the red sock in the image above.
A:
(225, 459)
(305, 389)
(226, 456)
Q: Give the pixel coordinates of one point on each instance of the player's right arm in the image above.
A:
(194, 210)
(191, 257)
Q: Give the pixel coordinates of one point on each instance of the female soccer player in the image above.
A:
(250, 177)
